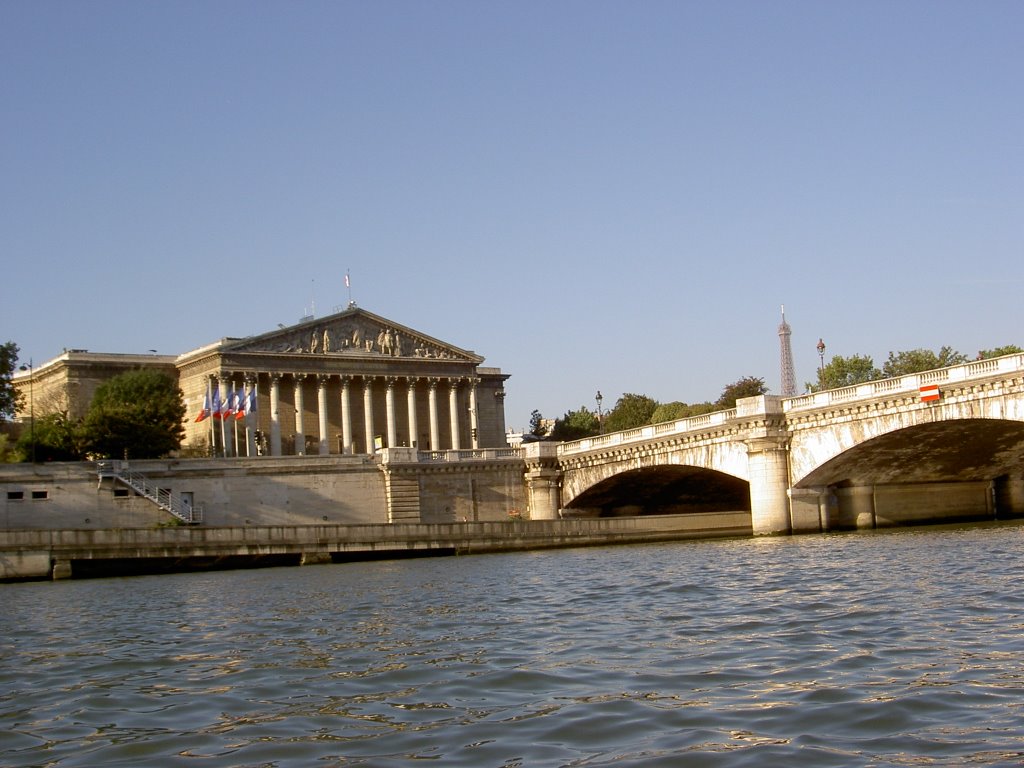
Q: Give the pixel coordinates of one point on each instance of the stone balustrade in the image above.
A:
(974, 370)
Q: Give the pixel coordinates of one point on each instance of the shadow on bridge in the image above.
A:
(662, 490)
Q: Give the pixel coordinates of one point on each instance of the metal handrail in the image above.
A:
(167, 500)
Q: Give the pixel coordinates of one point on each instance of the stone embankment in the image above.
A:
(42, 554)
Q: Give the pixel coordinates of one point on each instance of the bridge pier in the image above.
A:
(855, 508)
(1009, 497)
(542, 493)
(61, 570)
(768, 460)
(543, 480)
(809, 509)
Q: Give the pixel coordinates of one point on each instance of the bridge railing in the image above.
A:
(414, 456)
(474, 454)
(639, 434)
(976, 369)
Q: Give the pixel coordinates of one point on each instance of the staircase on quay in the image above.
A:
(167, 500)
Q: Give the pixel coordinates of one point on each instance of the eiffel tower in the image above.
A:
(786, 358)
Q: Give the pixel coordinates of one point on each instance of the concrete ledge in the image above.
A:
(30, 554)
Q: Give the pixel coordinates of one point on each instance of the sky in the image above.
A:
(613, 196)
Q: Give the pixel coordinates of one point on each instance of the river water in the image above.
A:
(871, 649)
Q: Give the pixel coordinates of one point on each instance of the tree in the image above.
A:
(676, 410)
(917, 360)
(673, 411)
(575, 425)
(537, 428)
(845, 372)
(56, 439)
(8, 394)
(137, 414)
(748, 386)
(1009, 349)
(630, 411)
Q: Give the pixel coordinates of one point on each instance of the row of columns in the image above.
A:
(349, 444)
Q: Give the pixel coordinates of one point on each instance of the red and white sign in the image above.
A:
(929, 393)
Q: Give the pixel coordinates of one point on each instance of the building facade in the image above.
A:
(352, 382)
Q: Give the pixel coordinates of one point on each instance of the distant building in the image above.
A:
(351, 382)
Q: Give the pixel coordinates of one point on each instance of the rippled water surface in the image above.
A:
(902, 648)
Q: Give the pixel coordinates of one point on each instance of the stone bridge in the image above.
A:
(940, 445)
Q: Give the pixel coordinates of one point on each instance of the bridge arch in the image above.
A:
(661, 490)
(959, 450)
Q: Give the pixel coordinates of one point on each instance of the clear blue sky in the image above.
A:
(593, 195)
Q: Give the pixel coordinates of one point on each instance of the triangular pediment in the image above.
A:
(353, 332)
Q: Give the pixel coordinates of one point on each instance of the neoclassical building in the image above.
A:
(351, 382)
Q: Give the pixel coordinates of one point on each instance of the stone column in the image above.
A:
(346, 417)
(211, 423)
(474, 424)
(300, 407)
(435, 428)
(275, 414)
(224, 397)
(251, 384)
(453, 412)
(321, 404)
(411, 403)
(389, 403)
(368, 412)
(768, 462)
(235, 402)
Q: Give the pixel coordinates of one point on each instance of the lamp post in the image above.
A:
(31, 405)
(821, 361)
(600, 426)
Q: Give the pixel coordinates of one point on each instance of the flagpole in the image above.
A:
(209, 399)
(220, 418)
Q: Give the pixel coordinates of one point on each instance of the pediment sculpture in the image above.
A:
(349, 336)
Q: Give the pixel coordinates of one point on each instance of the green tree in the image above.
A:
(673, 411)
(845, 372)
(748, 386)
(630, 411)
(575, 425)
(137, 414)
(1009, 349)
(8, 394)
(917, 360)
(537, 428)
(56, 439)
(676, 410)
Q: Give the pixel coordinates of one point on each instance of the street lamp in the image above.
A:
(31, 405)
(821, 361)
(599, 398)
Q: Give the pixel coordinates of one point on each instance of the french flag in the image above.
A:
(229, 406)
(205, 412)
(242, 404)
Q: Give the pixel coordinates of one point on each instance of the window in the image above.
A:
(40, 495)
(15, 495)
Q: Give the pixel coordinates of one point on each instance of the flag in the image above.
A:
(348, 282)
(205, 412)
(216, 404)
(242, 406)
(229, 405)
